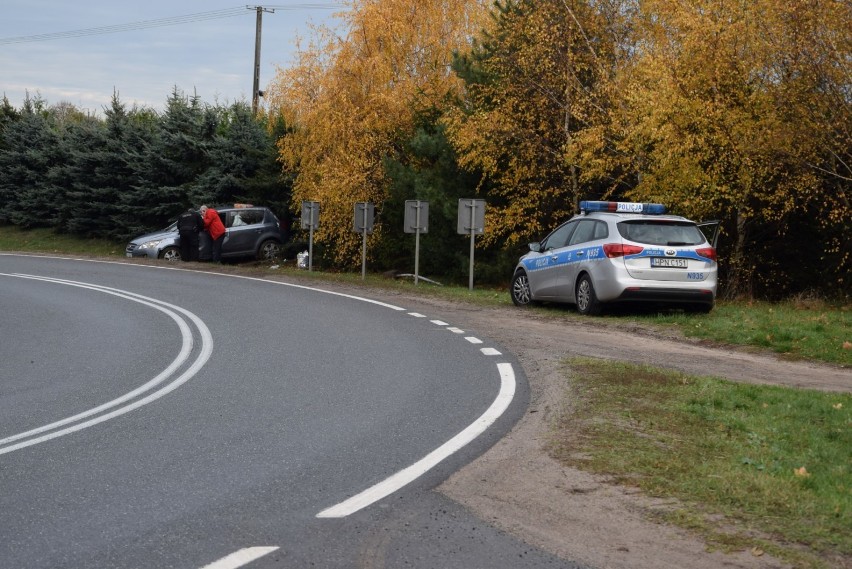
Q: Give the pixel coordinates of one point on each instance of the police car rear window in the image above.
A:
(659, 232)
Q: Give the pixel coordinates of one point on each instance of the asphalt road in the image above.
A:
(154, 417)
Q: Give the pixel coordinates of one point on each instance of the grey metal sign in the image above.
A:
(363, 218)
(471, 217)
(364, 214)
(417, 222)
(310, 221)
(471, 222)
(310, 215)
(416, 216)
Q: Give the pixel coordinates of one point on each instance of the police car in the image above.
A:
(620, 252)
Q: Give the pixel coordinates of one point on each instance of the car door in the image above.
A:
(544, 267)
(243, 228)
(582, 253)
(710, 229)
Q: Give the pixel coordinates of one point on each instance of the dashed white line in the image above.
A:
(417, 315)
(490, 352)
(455, 330)
(240, 558)
(473, 339)
(439, 322)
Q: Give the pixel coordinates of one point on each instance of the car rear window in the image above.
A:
(661, 232)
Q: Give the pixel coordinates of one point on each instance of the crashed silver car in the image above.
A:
(250, 232)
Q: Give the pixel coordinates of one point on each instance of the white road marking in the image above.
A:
(267, 281)
(240, 558)
(187, 344)
(490, 352)
(402, 478)
(473, 339)
(417, 315)
(439, 322)
(409, 474)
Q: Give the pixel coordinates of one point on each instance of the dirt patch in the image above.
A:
(580, 517)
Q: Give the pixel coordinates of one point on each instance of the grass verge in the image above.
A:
(48, 241)
(801, 328)
(752, 467)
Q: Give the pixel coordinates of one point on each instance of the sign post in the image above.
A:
(363, 223)
(417, 222)
(310, 220)
(471, 221)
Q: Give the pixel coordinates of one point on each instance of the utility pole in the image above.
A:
(255, 92)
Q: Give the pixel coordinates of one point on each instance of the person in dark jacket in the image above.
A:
(190, 224)
(214, 226)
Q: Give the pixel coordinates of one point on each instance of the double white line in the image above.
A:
(127, 402)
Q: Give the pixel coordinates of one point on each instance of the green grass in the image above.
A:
(752, 466)
(798, 328)
(48, 241)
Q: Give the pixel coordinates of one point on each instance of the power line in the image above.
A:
(171, 21)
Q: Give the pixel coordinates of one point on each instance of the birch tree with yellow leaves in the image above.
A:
(537, 102)
(352, 97)
(740, 110)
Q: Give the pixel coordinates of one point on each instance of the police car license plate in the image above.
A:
(668, 263)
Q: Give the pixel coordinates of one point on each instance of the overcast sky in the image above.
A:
(59, 49)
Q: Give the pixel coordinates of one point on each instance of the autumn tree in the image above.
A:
(536, 106)
(720, 120)
(351, 99)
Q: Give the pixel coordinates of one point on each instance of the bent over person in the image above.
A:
(215, 228)
(189, 225)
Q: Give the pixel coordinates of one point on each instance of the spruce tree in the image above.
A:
(30, 148)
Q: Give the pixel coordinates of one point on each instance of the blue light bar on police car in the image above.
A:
(623, 207)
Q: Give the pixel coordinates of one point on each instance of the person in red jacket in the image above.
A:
(213, 225)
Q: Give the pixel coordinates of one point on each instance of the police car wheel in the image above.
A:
(520, 290)
(170, 254)
(587, 301)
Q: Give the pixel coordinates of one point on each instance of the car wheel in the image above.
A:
(268, 250)
(520, 290)
(587, 301)
(170, 254)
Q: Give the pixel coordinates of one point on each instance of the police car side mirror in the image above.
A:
(535, 247)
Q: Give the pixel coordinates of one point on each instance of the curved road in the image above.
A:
(154, 417)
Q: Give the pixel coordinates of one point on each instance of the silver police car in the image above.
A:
(620, 252)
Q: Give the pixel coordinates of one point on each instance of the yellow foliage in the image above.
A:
(717, 108)
(352, 99)
(538, 114)
(801, 472)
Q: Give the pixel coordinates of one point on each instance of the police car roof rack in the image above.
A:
(622, 207)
